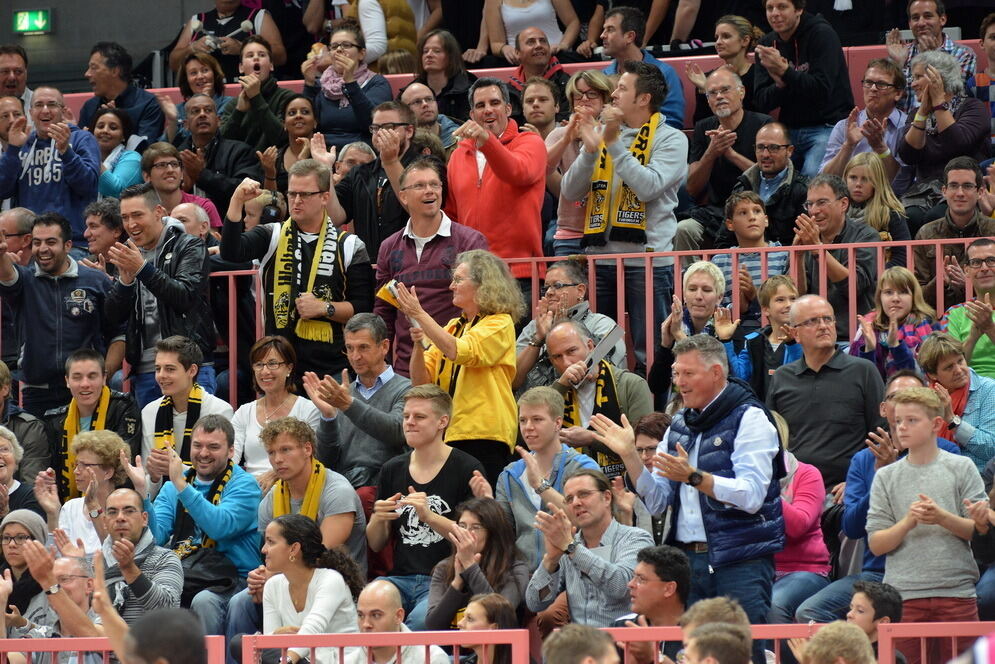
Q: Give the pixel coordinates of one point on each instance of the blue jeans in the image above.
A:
(986, 594)
(567, 247)
(635, 302)
(414, 597)
(810, 147)
(832, 602)
(146, 390)
(789, 592)
(212, 607)
(748, 582)
(244, 617)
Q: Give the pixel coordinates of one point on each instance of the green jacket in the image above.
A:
(262, 125)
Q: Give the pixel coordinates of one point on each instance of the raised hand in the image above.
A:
(312, 385)
(67, 548)
(980, 513)
(870, 336)
(480, 487)
(725, 326)
(624, 499)
(473, 131)
(897, 51)
(60, 133)
(953, 272)
(18, 133)
(267, 159)
(853, 134)
(46, 493)
(806, 231)
(532, 472)
(673, 467)
(619, 438)
(884, 449)
(321, 152)
(695, 75)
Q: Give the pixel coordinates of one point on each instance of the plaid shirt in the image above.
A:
(982, 86)
(965, 57)
(888, 360)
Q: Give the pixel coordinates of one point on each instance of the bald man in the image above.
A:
(379, 610)
(421, 100)
(194, 218)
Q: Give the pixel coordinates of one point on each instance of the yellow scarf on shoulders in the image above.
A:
(288, 282)
(312, 495)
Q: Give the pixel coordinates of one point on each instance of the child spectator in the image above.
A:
(746, 218)
(768, 348)
(871, 605)
(890, 335)
(916, 520)
(873, 202)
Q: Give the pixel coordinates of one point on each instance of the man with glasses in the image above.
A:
(213, 165)
(972, 322)
(421, 100)
(162, 167)
(847, 389)
(368, 195)
(53, 168)
(775, 180)
(421, 254)
(14, 73)
(825, 223)
(876, 128)
(962, 187)
(721, 150)
(588, 554)
(314, 276)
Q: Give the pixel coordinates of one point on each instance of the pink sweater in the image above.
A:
(805, 550)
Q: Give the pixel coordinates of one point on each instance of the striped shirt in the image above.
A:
(158, 586)
(982, 86)
(777, 263)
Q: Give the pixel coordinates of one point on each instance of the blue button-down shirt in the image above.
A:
(769, 185)
(368, 392)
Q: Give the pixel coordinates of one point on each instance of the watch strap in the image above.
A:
(51, 590)
(543, 486)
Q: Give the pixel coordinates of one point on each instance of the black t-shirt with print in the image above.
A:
(417, 548)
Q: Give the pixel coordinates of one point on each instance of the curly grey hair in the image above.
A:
(947, 66)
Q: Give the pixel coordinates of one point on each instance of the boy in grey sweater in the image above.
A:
(918, 519)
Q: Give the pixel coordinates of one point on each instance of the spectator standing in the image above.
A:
(255, 116)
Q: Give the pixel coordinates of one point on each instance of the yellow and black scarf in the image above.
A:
(619, 208)
(98, 421)
(163, 435)
(184, 528)
(325, 276)
(606, 403)
(448, 374)
(312, 495)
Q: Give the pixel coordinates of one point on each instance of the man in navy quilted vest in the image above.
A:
(718, 467)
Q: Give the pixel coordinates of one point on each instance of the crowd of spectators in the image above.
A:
(431, 434)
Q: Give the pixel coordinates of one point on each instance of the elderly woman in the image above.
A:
(96, 461)
(947, 123)
(473, 356)
(19, 496)
(564, 295)
(440, 67)
(588, 92)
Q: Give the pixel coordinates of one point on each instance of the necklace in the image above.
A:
(268, 415)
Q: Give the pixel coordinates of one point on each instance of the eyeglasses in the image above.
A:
(163, 165)
(65, 578)
(816, 321)
(472, 527)
(587, 94)
(374, 128)
(772, 148)
(112, 512)
(877, 85)
(15, 72)
(988, 261)
(423, 186)
(422, 101)
(86, 466)
(641, 580)
(966, 187)
(16, 539)
(645, 451)
(334, 46)
(556, 286)
(272, 365)
(822, 202)
(724, 90)
(584, 494)
(304, 195)
(46, 104)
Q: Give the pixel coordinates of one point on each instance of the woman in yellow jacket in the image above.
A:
(473, 356)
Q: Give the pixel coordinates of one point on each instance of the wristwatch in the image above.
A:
(329, 310)
(53, 589)
(543, 486)
(954, 422)
(95, 513)
(695, 478)
(570, 548)
(535, 341)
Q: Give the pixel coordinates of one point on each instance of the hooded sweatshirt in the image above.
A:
(817, 85)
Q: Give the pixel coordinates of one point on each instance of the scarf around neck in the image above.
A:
(333, 86)
(184, 528)
(98, 422)
(289, 278)
(163, 435)
(312, 495)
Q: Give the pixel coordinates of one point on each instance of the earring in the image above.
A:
(293, 557)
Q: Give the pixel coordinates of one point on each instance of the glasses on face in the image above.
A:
(14, 72)
(877, 85)
(46, 104)
(16, 539)
(646, 451)
(556, 286)
(723, 91)
(422, 101)
(821, 203)
(966, 187)
(587, 94)
(423, 186)
(458, 280)
(163, 165)
(374, 128)
(303, 195)
(334, 46)
(987, 261)
(472, 527)
(772, 148)
(816, 321)
(67, 578)
(126, 511)
(272, 365)
(641, 580)
(86, 466)
(583, 494)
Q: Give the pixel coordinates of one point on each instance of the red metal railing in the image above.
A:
(215, 647)
(517, 639)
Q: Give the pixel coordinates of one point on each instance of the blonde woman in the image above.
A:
(873, 202)
(473, 356)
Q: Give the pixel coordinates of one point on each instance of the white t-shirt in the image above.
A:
(76, 522)
(247, 430)
(210, 405)
(328, 609)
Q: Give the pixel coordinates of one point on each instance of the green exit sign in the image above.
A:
(33, 21)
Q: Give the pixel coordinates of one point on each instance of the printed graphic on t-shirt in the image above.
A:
(414, 531)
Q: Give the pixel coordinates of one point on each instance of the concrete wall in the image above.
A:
(60, 58)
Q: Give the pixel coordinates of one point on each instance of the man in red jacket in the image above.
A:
(497, 177)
